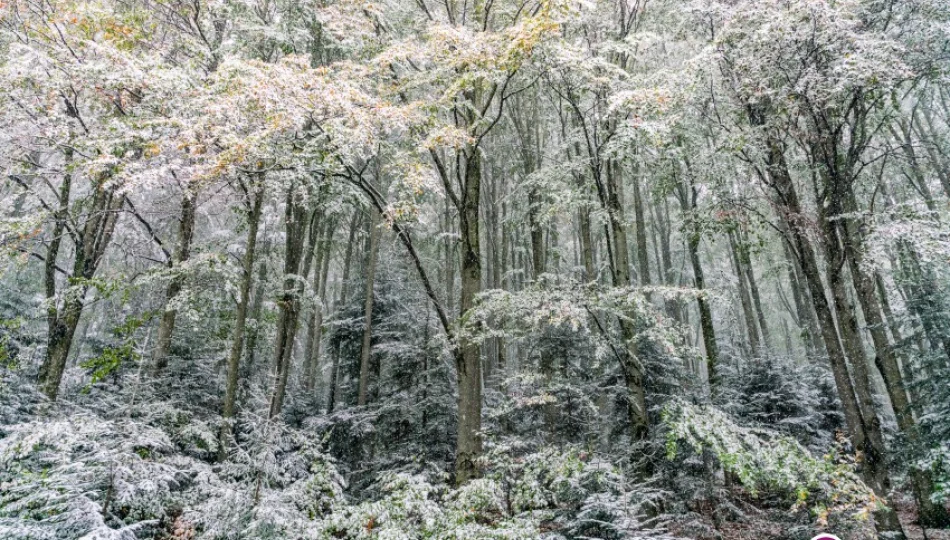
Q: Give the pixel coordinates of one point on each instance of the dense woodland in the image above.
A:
(474, 269)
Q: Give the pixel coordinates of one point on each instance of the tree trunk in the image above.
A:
(468, 361)
(632, 367)
(90, 244)
(332, 392)
(315, 309)
(537, 234)
(661, 219)
(450, 259)
(240, 324)
(808, 325)
(500, 281)
(372, 252)
(746, 259)
(60, 340)
(752, 331)
(295, 220)
(257, 304)
(587, 248)
(643, 259)
(687, 197)
(186, 231)
(315, 328)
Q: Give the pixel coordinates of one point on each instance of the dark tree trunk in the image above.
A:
(687, 196)
(807, 322)
(746, 259)
(537, 234)
(257, 304)
(315, 327)
(89, 246)
(372, 251)
(186, 231)
(295, 222)
(643, 258)
(240, 322)
(752, 331)
(333, 396)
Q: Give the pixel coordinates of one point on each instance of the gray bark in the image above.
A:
(240, 323)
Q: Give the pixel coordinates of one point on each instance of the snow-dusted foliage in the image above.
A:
(89, 477)
(68, 472)
(99, 475)
(769, 464)
(785, 395)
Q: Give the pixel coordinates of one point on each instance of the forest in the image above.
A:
(474, 269)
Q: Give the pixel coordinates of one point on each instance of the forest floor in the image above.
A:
(907, 512)
(775, 524)
(764, 529)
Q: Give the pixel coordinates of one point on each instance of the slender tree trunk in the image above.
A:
(450, 258)
(537, 233)
(295, 220)
(333, 396)
(372, 252)
(315, 333)
(504, 282)
(186, 231)
(587, 247)
(808, 324)
(316, 308)
(257, 304)
(498, 266)
(643, 258)
(240, 324)
(687, 197)
(752, 331)
(664, 231)
(90, 244)
(310, 259)
(527, 129)
(746, 259)
(632, 367)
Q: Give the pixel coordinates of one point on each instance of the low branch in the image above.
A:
(151, 232)
(42, 258)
